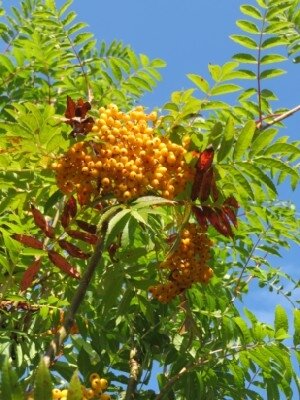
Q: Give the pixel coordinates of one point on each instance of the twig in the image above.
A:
(135, 371)
(62, 334)
(278, 119)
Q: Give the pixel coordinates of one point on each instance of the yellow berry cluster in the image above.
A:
(187, 264)
(124, 158)
(98, 386)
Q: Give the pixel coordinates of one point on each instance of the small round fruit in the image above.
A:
(56, 394)
(105, 396)
(103, 384)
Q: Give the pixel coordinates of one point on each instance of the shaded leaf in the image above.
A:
(73, 250)
(10, 388)
(29, 241)
(41, 222)
(42, 383)
(60, 262)
(74, 389)
(30, 274)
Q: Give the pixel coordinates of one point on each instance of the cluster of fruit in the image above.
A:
(124, 158)
(187, 264)
(98, 386)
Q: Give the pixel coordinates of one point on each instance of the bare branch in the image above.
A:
(281, 117)
(135, 371)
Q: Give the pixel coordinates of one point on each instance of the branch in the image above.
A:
(278, 119)
(62, 334)
(135, 370)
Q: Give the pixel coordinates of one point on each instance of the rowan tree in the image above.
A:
(129, 237)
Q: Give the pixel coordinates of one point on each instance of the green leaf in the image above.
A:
(244, 41)
(244, 329)
(271, 73)
(116, 224)
(223, 89)
(244, 140)
(74, 389)
(10, 387)
(251, 11)
(83, 37)
(256, 172)
(247, 26)
(282, 148)
(245, 58)
(242, 182)
(262, 140)
(76, 27)
(273, 41)
(216, 135)
(200, 82)
(272, 58)
(6, 62)
(215, 71)
(278, 165)
(64, 8)
(281, 319)
(228, 139)
(296, 337)
(42, 383)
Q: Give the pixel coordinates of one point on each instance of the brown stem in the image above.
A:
(135, 370)
(62, 334)
(278, 119)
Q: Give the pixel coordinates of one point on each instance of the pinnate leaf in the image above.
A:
(29, 241)
(30, 274)
(10, 388)
(60, 262)
(74, 389)
(244, 41)
(42, 384)
(244, 140)
(251, 11)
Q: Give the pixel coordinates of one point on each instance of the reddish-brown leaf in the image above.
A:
(230, 207)
(218, 220)
(73, 250)
(214, 189)
(204, 175)
(76, 116)
(29, 241)
(30, 274)
(72, 206)
(60, 262)
(65, 219)
(87, 227)
(84, 236)
(41, 222)
(200, 217)
(206, 184)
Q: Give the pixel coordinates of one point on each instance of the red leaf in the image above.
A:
(76, 116)
(200, 217)
(218, 220)
(29, 274)
(203, 180)
(85, 226)
(205, 159)
(29, 241)
(65, 219)
(73, 250)
(60, 262)
(214, 189)
(230, 207)
(41, 222)
(71, 206)
(85, 236)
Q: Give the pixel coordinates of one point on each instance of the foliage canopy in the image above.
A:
(201, 342)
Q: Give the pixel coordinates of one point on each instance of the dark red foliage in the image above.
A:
(87, 227)
(41, 222)
(60, 262)
(30, 274)
(73, 250)
(71, 206)
(76, 116)
(204, 182)
(230, 207)
(84, 236)
(29, 241)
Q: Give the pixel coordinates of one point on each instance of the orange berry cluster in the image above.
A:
(124, 158)
(187, 264)
(98, 386)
